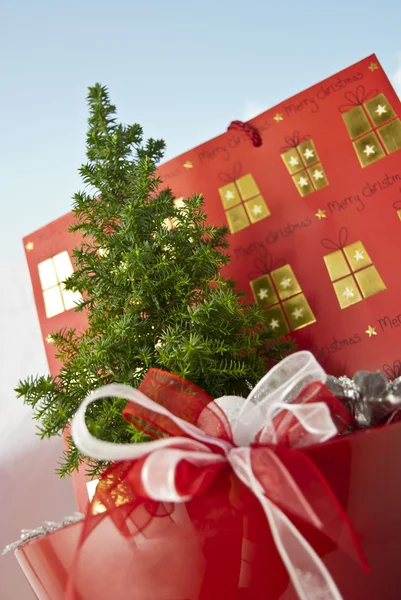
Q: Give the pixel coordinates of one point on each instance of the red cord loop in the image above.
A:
(249, 130)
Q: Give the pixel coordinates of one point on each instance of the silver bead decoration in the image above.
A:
(371, 398)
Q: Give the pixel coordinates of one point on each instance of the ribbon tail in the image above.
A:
(308, 574)
(328, 509)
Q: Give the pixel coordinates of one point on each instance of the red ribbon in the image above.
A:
(121, 494)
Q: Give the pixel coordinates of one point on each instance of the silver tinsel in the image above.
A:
(29, 534)
(371, 398)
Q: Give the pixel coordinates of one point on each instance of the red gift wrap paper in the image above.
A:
(322, 195)
(329, 162)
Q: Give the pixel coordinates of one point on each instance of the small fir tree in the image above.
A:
(149, 275)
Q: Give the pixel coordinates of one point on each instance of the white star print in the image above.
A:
(303, 182)
(381, 110)
(298, 312)
(348, 293)
(285, 283)
(369, 150)
(293, 162)
(317, 174)
(309, 153)
(274, 324)
(257, 209)
(359, 255)
(262, 294)
(229, 195)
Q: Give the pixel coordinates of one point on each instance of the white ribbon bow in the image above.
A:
(274, 393)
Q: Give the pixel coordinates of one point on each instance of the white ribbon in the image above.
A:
(274, 393)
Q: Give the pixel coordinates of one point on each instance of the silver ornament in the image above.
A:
(371, 398)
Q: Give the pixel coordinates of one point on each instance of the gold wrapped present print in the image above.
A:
(279, 292)
(302, 161)
(351, 270)
(242, 201)
(372, 124)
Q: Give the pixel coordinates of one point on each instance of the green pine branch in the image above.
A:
(149, 273)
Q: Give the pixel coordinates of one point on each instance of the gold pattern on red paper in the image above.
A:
(287, 308)
(353, 274)
(303, 164)
(371, 331)
(243, 203)
(373, 126)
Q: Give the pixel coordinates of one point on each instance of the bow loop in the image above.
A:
(191, 437)
(299, 425)
(292, 141)
(176, 475)
(180, 398)
(357, 98)
(333, 244)
(278, 388)
(393, 371)
(265, 264)
(230, 177)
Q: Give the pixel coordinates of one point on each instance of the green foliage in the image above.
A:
(149, 274)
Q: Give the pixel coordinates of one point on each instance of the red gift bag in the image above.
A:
(221, 547)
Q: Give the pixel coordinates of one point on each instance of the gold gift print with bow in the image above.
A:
(351, 271)
(303, 163)
(278, 292)
(372, 124)
(242, 201)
